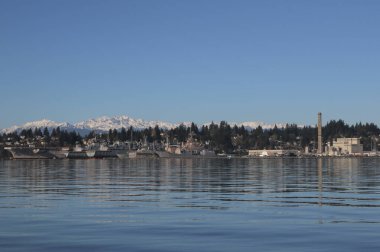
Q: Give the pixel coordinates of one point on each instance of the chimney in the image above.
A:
(319, 133)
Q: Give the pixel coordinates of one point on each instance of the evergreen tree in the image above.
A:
(110, 136)
(91, 135)
(37, 132)
(54, 133)
(157, 134)
(115, 135)
(123, 135)
(46, 135)
(130, 134)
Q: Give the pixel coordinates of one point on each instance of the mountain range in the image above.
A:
(105, 123)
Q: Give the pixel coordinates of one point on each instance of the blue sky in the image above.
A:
(272, 61)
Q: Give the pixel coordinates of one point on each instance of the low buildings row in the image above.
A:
(339, 147)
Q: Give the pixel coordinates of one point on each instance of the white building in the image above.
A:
(346, 146)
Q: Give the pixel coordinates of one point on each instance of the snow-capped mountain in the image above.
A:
(251, 125)
(106, 123)
(44, 123)
(100, 124)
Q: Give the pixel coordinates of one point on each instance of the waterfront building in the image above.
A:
(346, 146)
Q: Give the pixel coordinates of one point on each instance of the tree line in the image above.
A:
(221, 137)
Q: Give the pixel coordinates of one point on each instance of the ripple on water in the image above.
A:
(190, 205)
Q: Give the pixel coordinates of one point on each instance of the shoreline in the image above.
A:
(200, 157)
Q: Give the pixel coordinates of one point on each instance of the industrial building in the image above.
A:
(346, 146)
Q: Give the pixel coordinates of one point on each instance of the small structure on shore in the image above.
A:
(272, 153)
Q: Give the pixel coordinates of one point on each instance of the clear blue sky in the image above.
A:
(273, 61)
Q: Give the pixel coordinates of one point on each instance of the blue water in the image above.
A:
(190, 205)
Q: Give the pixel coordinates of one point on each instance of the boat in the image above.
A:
(30, 153)
(146, 153)
(132, 154)
(166, 154)
(105, 154)
(77, 155)
(122, 156)
(90, 153)
(207, 153)
(60, 153)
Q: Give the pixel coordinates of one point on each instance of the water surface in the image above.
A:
(190, 205)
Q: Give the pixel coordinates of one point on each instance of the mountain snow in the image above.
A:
(254, 125)
(44, 123)
(106, 123)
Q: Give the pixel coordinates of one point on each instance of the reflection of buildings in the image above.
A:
(206, 183)
(346, 146)
(320, 181)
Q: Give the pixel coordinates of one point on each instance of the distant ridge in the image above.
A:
(105, 123)
(40, 124)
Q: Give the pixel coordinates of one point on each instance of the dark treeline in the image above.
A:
(221, 137)
(55, 138)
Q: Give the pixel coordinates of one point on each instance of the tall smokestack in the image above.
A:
(319, 133)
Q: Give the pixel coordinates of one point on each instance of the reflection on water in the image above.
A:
(190, 204)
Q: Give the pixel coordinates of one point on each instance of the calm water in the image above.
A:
(190, 205)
